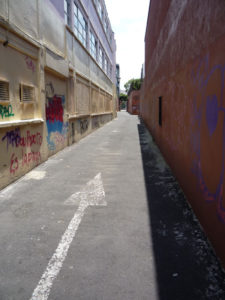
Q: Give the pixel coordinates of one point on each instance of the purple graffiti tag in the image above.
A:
(208, 108)
(13, 137)
(212, 111)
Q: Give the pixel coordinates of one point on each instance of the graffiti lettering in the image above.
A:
(15, 139)
(83, 126)
(49, 90)
(30, 64)
(14, 165)
(95, 122)
(6, 111)
(29, 157)
(54, 110)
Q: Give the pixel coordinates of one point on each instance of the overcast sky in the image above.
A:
(128, 19)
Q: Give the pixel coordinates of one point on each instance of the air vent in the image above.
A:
(4, 91)
(26, 93)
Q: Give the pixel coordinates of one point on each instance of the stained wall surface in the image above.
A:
(52, 91)
(184, 88)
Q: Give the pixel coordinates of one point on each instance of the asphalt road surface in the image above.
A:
(101, 220)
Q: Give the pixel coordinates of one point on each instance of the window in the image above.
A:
(101, 58)
(93, 45)
(105, 25)
(4, 91)
(67, 12)
(160, 111)
(106, 65)
(110, 71)
(26, 93)
(80, 25)
(99, 7)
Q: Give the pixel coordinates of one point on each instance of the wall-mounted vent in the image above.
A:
(4, 90)
(26, 93)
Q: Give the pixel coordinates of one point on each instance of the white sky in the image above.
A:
(128, 19)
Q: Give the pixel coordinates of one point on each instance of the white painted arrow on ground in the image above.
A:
(92, 194)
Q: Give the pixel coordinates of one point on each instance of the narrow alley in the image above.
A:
(104, 219)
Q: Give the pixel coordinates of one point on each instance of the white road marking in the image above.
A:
(92, 194)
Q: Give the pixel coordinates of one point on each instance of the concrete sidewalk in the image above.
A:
(104, 219)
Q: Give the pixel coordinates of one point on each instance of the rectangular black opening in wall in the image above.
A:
(160, 111)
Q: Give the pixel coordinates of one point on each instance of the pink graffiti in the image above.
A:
(30, 157)
(27, 159)
(30, 63)
(15, 139)
(14, 165)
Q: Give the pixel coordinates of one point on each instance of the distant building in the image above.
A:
(183, 102)
(118, 80)
(57, 78)
(133, 102)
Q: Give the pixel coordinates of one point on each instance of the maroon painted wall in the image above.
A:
(185, 66)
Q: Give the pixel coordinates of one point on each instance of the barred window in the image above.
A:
(93, 45)
(80, 25)
(4, 90)
(26, 93)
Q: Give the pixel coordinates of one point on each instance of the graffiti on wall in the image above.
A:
(30, 64)
(26, 159)
(95, 122)
(15, 139)
(24, 156)
(209, 122)
(6, 111)
(83, 125)
(57, 128)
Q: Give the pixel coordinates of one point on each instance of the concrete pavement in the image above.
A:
(104, 219)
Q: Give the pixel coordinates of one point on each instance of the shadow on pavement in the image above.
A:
(186, 266)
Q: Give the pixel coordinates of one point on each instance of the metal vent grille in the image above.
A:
(4, 91)
(26, 93)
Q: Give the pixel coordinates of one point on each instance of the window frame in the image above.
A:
(4, 93)
(80, 25)
(93, 45)
(67, 12)
(31, 89)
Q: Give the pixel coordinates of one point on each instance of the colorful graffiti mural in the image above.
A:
(6, 111)
(208, 123)
(57, 128)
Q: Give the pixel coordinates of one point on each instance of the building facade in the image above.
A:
(57, 78)
(183, 102)
(133, 102)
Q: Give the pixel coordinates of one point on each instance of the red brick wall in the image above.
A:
(133, 105)
(185, 65)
